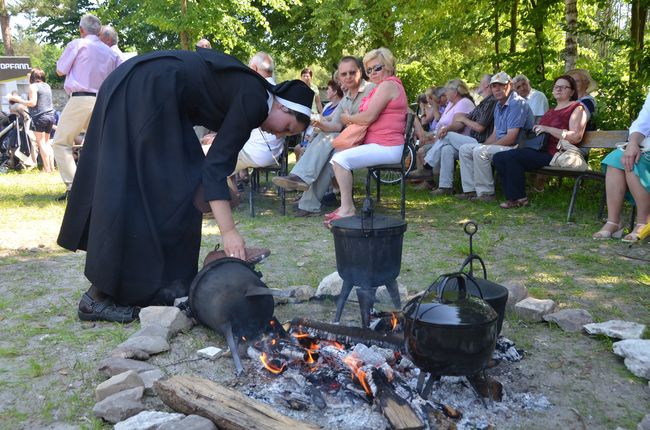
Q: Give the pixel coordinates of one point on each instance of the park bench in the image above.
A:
(592, 140)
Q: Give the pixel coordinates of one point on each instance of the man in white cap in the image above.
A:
(142, 172)
(511, 115)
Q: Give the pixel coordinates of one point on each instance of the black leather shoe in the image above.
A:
(90, 310)
(291, 182)
(63, 197)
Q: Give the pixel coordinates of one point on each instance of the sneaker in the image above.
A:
(291, 182)
(485, 198)
(466, 196)
(442, 192)
(301, 213)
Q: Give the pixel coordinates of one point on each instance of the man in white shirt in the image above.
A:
(536, 99)
(109, 36)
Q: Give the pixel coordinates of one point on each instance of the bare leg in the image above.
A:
(44, 149)
(641, 198)
(615, 187)
(344, 179)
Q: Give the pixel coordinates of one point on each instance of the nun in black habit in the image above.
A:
(131, 204)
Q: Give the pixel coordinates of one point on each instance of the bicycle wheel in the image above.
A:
(393, 176)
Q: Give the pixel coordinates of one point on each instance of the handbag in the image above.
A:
(351, 136)
(532, 140)
(568, 156)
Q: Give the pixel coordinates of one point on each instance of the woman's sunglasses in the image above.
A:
(377, 68)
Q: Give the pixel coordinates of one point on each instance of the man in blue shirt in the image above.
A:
(511, 114)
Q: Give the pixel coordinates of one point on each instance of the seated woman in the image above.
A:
(384, 111)
(566, 121)
(334, 95)
(629, 170)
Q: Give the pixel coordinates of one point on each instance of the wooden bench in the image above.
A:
(593, 140)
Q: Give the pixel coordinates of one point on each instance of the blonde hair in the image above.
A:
(385, 57)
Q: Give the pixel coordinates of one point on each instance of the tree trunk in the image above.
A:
(637, 30)
(5, 27)
(497, 36)
(571, 39)
(513, 26)
(185, 38)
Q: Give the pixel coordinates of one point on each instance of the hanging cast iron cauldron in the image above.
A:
(368, 247)
(228, 296)
(450, 332)
(496, 295)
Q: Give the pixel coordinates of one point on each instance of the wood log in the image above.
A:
(397, 411)
(349, 335)
(227, 408)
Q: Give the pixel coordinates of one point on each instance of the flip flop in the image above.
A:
(107, 311)
(331, 215)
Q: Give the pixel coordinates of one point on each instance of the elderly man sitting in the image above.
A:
(536, 99)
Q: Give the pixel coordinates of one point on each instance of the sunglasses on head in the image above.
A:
(377, 68)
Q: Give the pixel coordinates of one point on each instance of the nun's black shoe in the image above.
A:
(107, 310)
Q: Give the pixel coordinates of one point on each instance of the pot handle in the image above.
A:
(367, 213)
(462, 288)
(469, 260)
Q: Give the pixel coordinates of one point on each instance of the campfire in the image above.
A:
(305, 364)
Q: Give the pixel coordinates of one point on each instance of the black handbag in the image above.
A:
(531, 140)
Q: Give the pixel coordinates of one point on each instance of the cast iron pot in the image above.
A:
(451, 332)
(228, 296)
(368, 247)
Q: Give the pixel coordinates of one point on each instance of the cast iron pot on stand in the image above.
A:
(368, 255)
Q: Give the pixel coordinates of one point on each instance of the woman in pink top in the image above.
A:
(384, 111)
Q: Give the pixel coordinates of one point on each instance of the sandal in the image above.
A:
(634, 236)
(510, 204)
(606, 234)
(107, 311)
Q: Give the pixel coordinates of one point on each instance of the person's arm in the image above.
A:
(577, 125)
(492, 138)
(386, 92)
(319, 105)
(32, 97)
(509, 139)
(233, 242)
(632, 152)
(332, 125)
(66, 60)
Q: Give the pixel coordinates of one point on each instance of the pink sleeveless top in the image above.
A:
(388, 128)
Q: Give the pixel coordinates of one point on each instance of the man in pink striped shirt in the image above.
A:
(85, 63)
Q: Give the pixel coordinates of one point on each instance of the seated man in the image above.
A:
(480, 122)
(536, 99)
(313, 172)
(511, 115)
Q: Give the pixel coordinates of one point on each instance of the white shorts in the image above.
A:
(370, 154)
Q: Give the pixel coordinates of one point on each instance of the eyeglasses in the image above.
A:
(346, 74)
(377, 68)
(561, 87)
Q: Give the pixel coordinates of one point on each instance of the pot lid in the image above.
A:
(453, 311)
(372, 223)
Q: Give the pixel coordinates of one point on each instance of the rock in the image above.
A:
(384, 297)
(190, 422)
(211, 352)
(516, 293)
(330, 286)
(617, 329)
(637, 355)
(644, 424)
(136, 354)
(169, 317)
(570, 320)
(300, 293)
(149, 420)
(180, 300)
(117, 383)
(148, 378)
(148, 344)
(533, 310)
(120, 406)
(114, 366)
(153, 330)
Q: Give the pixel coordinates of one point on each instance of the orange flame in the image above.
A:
(355, 365)
(310, 358)
(393, 321)
(270, 367)
(335, 344)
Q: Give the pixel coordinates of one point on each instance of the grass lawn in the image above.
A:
(48, 358)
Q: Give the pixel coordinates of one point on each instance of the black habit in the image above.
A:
(130, 206)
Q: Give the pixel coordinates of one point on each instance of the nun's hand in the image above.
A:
(233, 244)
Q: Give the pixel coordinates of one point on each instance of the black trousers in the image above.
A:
(512, 167)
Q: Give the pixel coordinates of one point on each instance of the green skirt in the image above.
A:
(641, 169)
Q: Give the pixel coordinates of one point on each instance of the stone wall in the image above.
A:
(59, 99)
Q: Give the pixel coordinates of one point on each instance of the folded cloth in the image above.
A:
(253, 255)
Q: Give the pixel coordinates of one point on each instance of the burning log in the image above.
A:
(487, 386)
(228, 409)
(396, 410)
(348, 335)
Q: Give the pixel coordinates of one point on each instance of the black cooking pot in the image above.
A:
(368, 247)
(496, 295)
(450, 332)
(228, 296)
